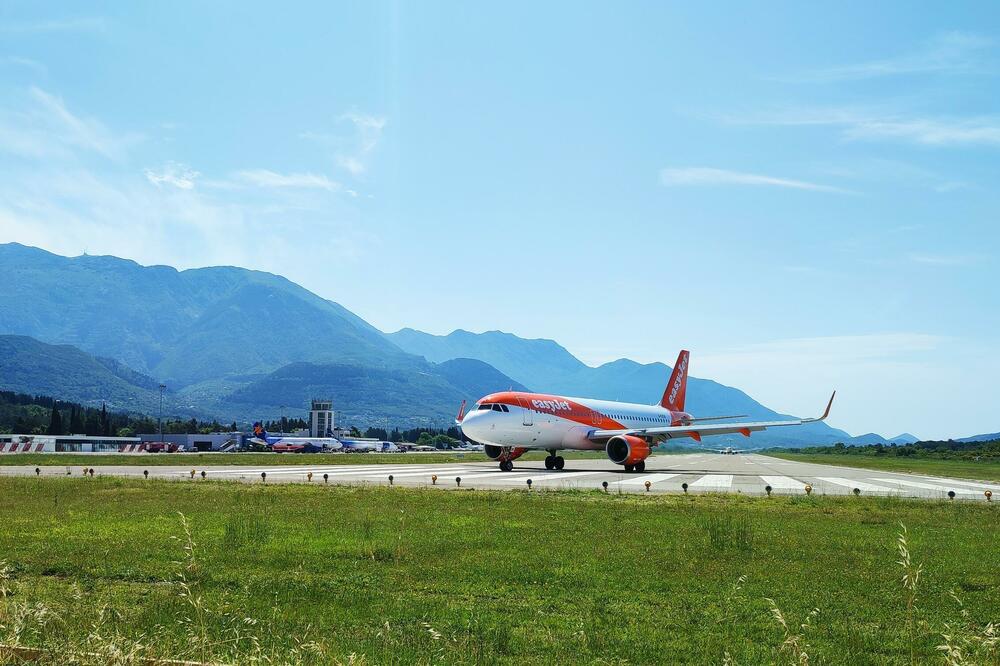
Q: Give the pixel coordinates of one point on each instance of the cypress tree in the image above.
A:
(55, 422)
(105, 425)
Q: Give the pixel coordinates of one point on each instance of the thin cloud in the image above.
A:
(930, 132)
(352, 153)
(704, 176)
(86, 133)
(272, 179)
(873, 125)
(949, 52)
(173, 173)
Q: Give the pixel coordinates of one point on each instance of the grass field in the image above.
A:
(957, 468)
(205, 459)
(379, 575)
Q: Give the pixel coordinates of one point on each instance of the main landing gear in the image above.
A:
(552, 461)
(638, 467)
(506, 465)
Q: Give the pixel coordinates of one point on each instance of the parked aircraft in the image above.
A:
(293, 444)
(509, 423)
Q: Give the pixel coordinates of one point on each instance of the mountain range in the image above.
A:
(234, 343)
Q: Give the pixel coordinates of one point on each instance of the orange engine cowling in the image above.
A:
(503, 453)
(627, 449)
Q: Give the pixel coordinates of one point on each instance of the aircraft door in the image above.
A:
(526, 414)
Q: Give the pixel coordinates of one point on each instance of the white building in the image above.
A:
(321, 418)
(68, 444)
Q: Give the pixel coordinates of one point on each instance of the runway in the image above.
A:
(748, 474)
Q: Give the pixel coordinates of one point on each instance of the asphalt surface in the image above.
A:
(749, 474)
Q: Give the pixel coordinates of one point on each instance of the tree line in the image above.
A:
(930, 449)
(27, 414)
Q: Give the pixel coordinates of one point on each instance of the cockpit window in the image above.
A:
(486, 405)
(504, 408)
(496, 408)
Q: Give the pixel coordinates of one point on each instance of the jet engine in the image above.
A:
(627, 450)
(504, 453)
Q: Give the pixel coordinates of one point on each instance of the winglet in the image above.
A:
(826, 412)
(461, 413)
(673, 395)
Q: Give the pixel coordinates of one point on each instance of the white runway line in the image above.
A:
(652, 478)
(548, 476)
(492, 475)
(340, 470)
(972, 484)
(929, 486)
(311, 468)
(406, 473)
(783, 483)
(860, 485)
(713, 482)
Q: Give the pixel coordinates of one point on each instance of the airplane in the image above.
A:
(732, 450)
(509, 423)
(361, 445)
(293, 444)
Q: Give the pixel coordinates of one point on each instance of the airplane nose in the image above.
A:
(472, 424)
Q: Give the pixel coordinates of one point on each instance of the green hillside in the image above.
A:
(365, 395)
(30, 366)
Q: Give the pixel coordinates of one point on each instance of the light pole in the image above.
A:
(159, 418)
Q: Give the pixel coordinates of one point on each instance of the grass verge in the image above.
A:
(962, 469)
(304, 574)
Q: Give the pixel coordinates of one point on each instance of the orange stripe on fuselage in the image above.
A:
(556, 405)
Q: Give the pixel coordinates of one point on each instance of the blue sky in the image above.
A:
(805, 196)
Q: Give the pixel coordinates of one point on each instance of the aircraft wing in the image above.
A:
(696, 432)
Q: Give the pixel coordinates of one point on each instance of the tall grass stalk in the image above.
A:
(910, 579)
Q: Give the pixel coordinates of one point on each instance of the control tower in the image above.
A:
(321, 418)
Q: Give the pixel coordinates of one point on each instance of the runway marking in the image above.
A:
(929, 486)
(652, 478)
(278, 469)
(539, 478)
(492, 475)
(978, 486)
(334, 471)
(860, 485)
(783, 483)
(713, 481)
(423, 472)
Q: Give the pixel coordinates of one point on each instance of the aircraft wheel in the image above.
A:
(640, 466)
(550, 462)
(506, 466)
(559, 462)
(629, 468)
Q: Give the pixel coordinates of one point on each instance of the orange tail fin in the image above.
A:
(673, 395)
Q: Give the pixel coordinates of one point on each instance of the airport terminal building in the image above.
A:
(68, 444)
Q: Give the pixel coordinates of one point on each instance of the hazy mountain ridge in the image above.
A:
(986, 437)
(181, 326)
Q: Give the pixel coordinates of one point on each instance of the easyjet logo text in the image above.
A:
(553, 405)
